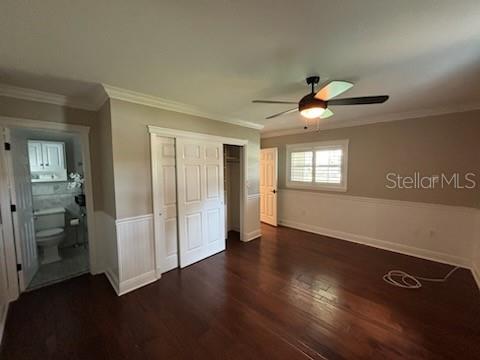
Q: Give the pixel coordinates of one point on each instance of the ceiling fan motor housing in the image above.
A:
(310, 101)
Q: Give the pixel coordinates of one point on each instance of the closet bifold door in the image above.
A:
(201, 220)
(166, 194)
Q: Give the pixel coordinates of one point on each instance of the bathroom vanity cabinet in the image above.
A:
(47, 161)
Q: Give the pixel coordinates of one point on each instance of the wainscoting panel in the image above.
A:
(252, 230)
(107, 252)
(437, 232)
(136, 252)
(3, 319)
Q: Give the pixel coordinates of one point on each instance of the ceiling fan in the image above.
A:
(317, 104)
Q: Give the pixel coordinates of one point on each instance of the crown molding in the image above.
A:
(16, 92)
(378, 119)
(114, 92)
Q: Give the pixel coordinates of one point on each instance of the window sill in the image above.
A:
(334, 188)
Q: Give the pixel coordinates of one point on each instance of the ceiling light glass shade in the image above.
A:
(312, 113)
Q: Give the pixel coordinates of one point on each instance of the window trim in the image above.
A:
(320, 145)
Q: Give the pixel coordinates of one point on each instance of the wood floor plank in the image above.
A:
(288, 295)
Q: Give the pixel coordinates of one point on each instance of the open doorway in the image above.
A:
(232, 190)
(46, 184)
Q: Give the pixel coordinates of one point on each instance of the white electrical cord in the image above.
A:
(402, 279)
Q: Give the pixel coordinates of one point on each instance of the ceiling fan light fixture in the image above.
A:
(312, 113)
(311, 107)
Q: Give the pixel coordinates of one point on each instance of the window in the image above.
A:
(321, 165)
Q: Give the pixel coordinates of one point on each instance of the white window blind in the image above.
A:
(301, 166)
(321, 165)
(328, 166)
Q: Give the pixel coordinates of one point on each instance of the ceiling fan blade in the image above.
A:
(326, 114)
(273, 102)
(332, 89)
(359, 100)
(282, 113)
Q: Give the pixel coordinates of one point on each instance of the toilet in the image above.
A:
(49, 232)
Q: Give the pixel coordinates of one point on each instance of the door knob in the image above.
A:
(274, 191)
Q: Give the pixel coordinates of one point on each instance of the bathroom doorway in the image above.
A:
(46, 177)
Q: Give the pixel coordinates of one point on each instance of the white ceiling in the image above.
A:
(218, 55)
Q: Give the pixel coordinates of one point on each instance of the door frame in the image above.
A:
(83, 133)
(173, 133)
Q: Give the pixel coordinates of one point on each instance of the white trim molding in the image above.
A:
(92, 103)
(137, 282)
(160, 103)
(113, 279)
(252, 235)
(335, 124)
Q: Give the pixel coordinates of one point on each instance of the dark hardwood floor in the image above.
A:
(289, 295)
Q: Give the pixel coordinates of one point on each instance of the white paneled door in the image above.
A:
(23, 217)
(167, 199)
(268, 186)
(200, 189)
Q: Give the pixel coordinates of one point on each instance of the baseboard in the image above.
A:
(3, 320)
(112, 278)
(137, 282)
(252, 235)
(381, 244)
(476, 275)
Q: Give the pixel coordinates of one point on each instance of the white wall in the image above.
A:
(438, 232)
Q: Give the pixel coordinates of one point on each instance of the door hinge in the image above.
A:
(19, 267)
(13, 207)
(7, 146)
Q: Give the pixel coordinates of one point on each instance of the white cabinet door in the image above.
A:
(167, 198)
(53, 156)
(35, 155)
(268, 186)
(201, 219)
